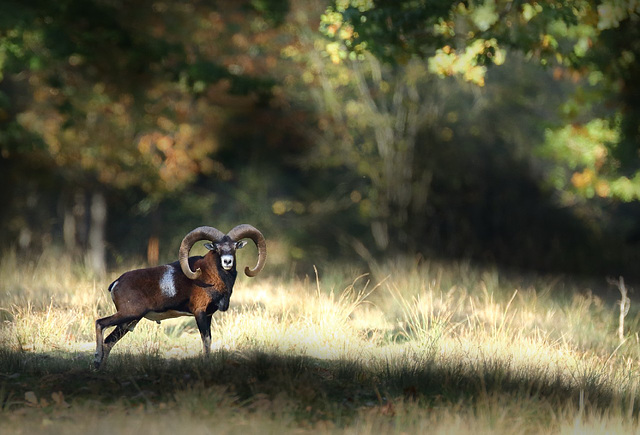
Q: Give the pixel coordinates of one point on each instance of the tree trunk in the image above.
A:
(71, 207)
(153, 245)
(96, 252)
(69, 230)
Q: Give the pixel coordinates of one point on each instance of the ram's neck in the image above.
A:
(213, 275)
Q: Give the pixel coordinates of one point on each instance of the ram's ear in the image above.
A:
(241, 244)
(210, 246)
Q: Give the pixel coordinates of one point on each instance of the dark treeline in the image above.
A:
(123, 125)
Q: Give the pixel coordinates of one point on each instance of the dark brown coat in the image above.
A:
(192, 286)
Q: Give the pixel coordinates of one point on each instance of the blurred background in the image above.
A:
(504, 132)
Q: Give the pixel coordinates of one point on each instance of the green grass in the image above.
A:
(413, 347)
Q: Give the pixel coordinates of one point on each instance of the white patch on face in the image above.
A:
(167, 285)
(227, 261)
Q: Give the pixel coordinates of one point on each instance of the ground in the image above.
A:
(411, 347)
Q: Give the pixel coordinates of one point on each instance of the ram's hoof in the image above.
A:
(97, 362)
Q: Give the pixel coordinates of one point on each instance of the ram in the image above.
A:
(191, 286)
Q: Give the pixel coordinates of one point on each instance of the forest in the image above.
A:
(503, 132)
(449, 192)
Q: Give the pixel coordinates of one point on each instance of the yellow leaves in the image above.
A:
(361, 5)
(530, 10)
(443, 62)
(335, 52)
(164, 144)
(584, 149)
(346, 32)
(602, 189)
(584, 145)
(581, 47)
(548, 41)
(600, 153)
(475, 74)
(332, 29)
(499, 56)
(448, 62)
(281, 207)
(331, 21)
(581, 180)
(444, 28)
(332, 25)
(483, 14)
(612, 12)
(179, 154)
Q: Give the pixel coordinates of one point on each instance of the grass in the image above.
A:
(413, 347)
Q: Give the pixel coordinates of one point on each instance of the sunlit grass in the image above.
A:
(412, 347)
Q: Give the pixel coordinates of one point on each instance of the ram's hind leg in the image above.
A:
(122, 322)
(116, 335)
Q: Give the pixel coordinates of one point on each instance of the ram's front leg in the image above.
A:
(203, 320)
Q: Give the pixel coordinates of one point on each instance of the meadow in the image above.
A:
(412, 347)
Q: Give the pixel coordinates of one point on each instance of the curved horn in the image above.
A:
(245, 230)
(200, 233)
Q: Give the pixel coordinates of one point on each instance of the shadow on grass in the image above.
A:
(309, 383)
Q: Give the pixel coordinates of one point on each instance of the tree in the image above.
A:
(384, 122)
(111, 96)
(375, 112)
(596, 42)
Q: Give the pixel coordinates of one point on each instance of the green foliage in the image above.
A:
(592, 171)
(356, 126)
(584, 149)
(395, 30)
(596, 39)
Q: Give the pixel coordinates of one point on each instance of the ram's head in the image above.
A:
(225, 246)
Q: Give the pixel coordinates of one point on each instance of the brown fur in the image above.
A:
(197, 286)
(138, 293)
